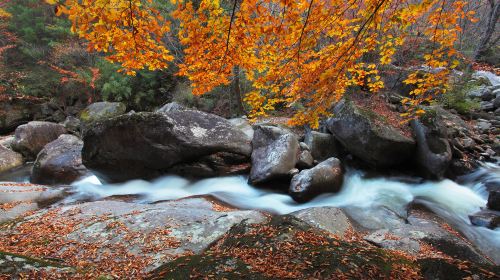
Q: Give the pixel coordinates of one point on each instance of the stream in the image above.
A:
(450, 200)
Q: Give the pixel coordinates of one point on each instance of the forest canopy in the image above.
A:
(304, 51)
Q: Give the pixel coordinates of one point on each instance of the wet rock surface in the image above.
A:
(59, 162)
(433, 153)
(275, 152)
(326, 177)
(486, 218)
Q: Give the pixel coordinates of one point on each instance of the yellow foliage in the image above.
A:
(292, 51)
(4, 14)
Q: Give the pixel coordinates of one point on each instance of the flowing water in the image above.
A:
(450, 200)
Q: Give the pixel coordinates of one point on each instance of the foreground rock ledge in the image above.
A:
(116, 239)
(147, 145)
(291, 249)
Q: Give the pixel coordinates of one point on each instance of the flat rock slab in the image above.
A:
(330, 219)
(17, 199)
(121, 238)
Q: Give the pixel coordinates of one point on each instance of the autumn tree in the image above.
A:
(305, 52)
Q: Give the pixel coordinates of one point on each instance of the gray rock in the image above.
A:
(330, 219)
(483, 126)
(326, 177)
(487, 106)
(374, 218)
(493, 79)
(9, 159)
(33, 136)
(169, 107)
(479, 92)
(304, 146)
(27, 197)
(293, 172)
(496, 102)
(243, 125)
(486, 218)
(147, 145)
(488, 95)
(496, 91)
(447, 123)
(16, 112)
(433, 151)
(7, 141)
(321, 145)
(468, 142)
(275, 153)
(305, 160)
(59, 162)
(383, 239)
(419, 226)
(72, 124)
(369, 138)
(159, 232)
(100, 111)
(494, 200)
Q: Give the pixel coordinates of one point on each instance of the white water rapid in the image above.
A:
(452, 201)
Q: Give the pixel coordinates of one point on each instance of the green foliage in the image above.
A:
(144, 91)
(457, 98)
(35, 22)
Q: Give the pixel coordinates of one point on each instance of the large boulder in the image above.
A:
(325, 177)
(321, 145)
(59, 162)
(33, 136)
(368, 137)
(15, 112)
(147, 145)
(275, 153)
(433, 151)
(9, 159)
(101, 111)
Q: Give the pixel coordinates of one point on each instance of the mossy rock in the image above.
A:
(369, 137)
(101, 111)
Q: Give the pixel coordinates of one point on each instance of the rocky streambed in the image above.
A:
(181, 193)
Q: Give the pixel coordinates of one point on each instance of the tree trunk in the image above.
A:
(486, 40)
(236, 93)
